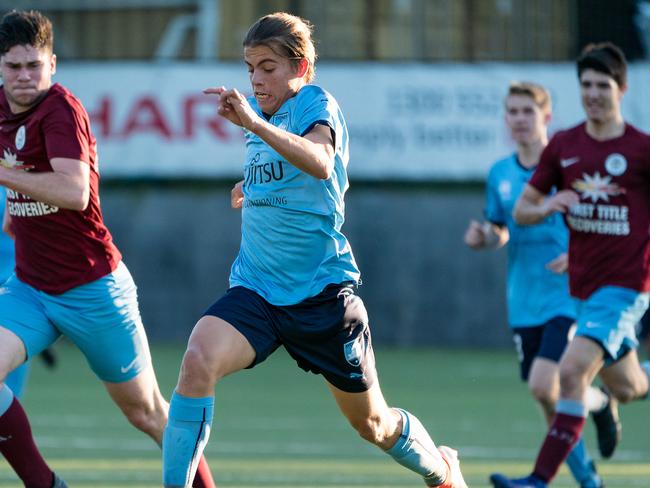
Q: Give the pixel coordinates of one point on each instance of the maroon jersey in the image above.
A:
(56, 249)
(610, 227)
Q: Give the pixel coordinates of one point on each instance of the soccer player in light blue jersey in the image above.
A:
(541, 312)
(293, 283)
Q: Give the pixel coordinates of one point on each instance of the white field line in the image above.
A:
(302, 449)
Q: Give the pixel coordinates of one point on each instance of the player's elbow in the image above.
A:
(79, 201)
(324, 170)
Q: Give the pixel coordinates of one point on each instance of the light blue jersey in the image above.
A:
(535, 294)
(6, 244)
(292, 245)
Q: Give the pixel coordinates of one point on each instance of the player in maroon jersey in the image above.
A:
(69, 278)
(601, 169)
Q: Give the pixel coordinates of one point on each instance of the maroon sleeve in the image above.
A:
(548, 175)
(66, 131)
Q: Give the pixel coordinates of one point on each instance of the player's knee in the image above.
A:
(543, 395)
(624, 392)
(572, 378)
(197, 368)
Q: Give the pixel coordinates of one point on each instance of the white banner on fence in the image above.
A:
(406, 121)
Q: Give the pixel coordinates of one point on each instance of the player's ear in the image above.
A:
(547, 117)
(303, 66)
(53, 63)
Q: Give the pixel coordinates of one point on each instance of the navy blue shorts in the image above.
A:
(326, 334)
(544, 341)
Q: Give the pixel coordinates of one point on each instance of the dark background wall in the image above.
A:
(421, 285)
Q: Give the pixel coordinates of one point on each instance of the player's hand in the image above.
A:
(559, 265)
(233, 106)
(475, 235)
(237, 195)
(561, 202)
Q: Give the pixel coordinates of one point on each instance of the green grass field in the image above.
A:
(276, 426)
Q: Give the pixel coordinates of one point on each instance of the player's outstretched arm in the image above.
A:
(532, 206)
(485, 235)
(312, 153)
(67, 186)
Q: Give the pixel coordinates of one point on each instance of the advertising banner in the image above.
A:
(406, 121)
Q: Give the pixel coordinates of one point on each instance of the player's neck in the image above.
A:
(529, 154)
(603, 130)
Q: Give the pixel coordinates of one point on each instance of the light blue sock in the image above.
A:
(6, 398)
(416, 451)
(185, 437)
(580, 463)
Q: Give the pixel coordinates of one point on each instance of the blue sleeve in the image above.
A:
(493, 208)
(315, 106)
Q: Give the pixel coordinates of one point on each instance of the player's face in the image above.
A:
(26, 75)
(601, 96)
(274, 78)
(525, 119)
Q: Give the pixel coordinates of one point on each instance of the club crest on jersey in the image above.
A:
(281, 121)
(355, 350)
(597, 187)
(10, 160)
(616, 164)
(21, 137)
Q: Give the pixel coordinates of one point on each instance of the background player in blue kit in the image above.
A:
(293, 283)
(541, 312)
(17, 379)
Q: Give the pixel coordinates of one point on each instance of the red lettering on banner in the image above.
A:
(102, 117)
(146, 117)
(216, 123)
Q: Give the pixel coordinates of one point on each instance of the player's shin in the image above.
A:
(416, 451)
(185, 437)
(561, 438)
(17, 444)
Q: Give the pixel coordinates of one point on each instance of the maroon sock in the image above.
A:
(18, 447)
(561, 438)
(203, 478)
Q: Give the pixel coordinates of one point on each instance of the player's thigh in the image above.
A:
(103, 319)
(140, 393)
(625, 378)
(236, 332)
(579, 365)
(544, 380)
(25, 329)
(216, 348)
